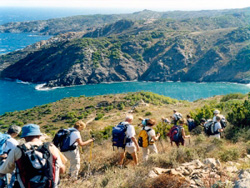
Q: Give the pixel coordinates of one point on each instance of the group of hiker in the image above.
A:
(36, 163)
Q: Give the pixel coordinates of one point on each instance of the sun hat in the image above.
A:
(31, 130)
(14, 129)
(216, 112)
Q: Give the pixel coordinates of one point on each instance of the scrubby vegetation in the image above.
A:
(104, 112)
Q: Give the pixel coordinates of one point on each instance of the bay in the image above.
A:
(20, 95)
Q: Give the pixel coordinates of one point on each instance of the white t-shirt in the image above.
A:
(74, 136)
(130, 133)
(151, 133)
(10, 144)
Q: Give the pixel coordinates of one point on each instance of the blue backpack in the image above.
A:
(62, 140)
(175, 133)
(119, 138)
(191, 124)
(3, 138)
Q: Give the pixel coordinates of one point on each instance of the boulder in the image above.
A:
(152, 174)
(210, 162)
(161, 170)
(244, 179)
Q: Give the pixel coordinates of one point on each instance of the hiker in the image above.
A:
(223, 120)
(216, 113)
(44, 170)
(176, 117)
(165, 120)
(177, 134)
(9, 144)
(216, 128)
(190, 123)
(150, 139)
(131, 145)
(73, 155)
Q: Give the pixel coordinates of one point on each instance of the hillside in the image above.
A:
(148, 48)
(102, 112)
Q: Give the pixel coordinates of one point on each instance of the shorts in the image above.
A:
(130, 149)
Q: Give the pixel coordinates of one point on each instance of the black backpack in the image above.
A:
(191, 124)
(62, 140)
(35, 168)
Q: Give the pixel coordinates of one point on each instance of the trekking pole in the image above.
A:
(88, 174)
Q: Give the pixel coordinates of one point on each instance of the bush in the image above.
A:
(148, 113)
(240, 115)
(99, 116)
(229, 155)
(169, 181)
(232, 96)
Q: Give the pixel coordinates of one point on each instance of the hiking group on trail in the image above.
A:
(39, 164)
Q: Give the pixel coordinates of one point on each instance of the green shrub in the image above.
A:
(148, 113)
(232, 96)
(229, 155)
(240, 115)
(99, 116)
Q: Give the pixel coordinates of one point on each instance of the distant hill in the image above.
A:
(147, 47)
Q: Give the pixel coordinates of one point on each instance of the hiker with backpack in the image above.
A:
(70, 148)
(177, 134)
(223, 120)
(147, 138)
(37, 164)
(176, 117)
(190, 123)
(123, 137)
(7, 143)
(216, 128)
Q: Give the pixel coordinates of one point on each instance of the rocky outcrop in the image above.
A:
(207, 173)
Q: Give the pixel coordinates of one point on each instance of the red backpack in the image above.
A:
(175, 133)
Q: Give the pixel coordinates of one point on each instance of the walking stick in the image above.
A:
(89, 173)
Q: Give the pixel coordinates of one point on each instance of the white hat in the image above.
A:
(216, 112)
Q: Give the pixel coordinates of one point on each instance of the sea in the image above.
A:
(18, 95)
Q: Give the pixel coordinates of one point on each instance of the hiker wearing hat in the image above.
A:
(152, 137)
(216, 113)
(73, 155)
(36, 163)
(9, 144)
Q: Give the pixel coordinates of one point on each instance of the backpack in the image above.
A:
(36, 167)
(175, 133)
(191, 124)
(209, 127)
(223, 122)
(119, 138)
(62, 140)
(178, 116)
(3, 138)
(144, 122)
(143, 139)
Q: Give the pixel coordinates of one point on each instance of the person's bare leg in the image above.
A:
(122, 156)
(135, 159)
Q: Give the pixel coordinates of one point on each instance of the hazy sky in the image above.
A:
(133, 4)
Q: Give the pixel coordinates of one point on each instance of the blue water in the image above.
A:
(18, 96)
(13, 41)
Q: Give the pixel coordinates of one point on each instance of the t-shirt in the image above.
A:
(217, 126)
(74, 136)
(151, 133)
(10, 144)
(130, 133)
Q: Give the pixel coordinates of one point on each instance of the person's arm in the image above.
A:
(155, 138)
(81, 143)
(183, 134)
(136, 144)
